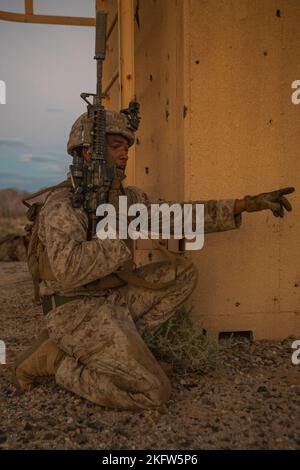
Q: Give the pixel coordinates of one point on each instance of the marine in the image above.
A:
(97, 304)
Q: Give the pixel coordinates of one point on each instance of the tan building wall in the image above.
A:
(240, 139)
(227, 66)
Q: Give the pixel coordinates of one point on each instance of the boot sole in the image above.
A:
(41, 338)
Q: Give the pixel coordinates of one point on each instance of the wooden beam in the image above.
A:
(112, 26)
(100, 5)
(47, 19)
(112, 81)
(126, 51)
(29, 7)
(126, 68)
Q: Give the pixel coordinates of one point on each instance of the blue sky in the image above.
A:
(45, 69)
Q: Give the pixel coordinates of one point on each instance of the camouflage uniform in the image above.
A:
(107, 361)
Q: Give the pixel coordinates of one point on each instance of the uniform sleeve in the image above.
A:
(74, 260)
(218, 214)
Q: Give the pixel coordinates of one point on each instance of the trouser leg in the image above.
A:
(151, 308)
(108, 363)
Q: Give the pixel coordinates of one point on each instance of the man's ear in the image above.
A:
(86, 153)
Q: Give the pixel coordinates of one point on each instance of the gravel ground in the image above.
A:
(252, 401)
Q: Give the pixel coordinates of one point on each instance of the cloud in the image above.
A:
(47, 158)
(12, 180)
(54, 167)
(26, 157)
(57, 156)
(3, 176)
(14, 143)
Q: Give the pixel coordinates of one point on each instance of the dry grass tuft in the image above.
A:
(183, 344)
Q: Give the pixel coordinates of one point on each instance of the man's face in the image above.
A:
(116, 150)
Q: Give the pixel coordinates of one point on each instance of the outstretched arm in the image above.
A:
(239, 206)
(274, 201)
(225, 214)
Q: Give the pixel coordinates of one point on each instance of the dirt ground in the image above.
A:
(252, 400)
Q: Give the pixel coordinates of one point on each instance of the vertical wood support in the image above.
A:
(126, 68)
(102, 5)
(125, 74)
(28, 7)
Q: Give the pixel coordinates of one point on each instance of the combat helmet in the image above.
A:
(124, 123)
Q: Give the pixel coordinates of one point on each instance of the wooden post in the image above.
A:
(29, 7)
(126, 68)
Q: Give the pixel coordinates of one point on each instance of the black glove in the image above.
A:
(275, 201)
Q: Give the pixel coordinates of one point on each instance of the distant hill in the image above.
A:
(11, 202)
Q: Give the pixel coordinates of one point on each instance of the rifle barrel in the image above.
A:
(101, 19)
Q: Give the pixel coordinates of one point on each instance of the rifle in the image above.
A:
(91, 180)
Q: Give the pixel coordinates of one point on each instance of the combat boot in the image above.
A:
(41, 359)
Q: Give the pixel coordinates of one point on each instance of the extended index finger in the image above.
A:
(284, 202)
(288, 190)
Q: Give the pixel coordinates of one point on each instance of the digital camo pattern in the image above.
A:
(107, 361)
(218, 214)
(116, 123)
(74, 260)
